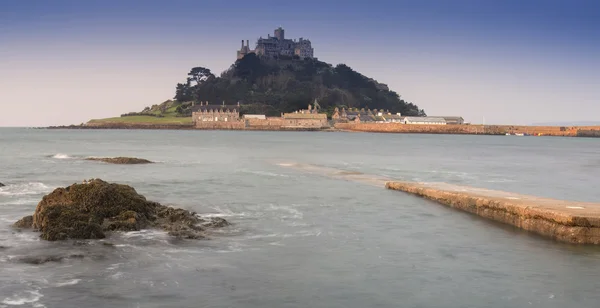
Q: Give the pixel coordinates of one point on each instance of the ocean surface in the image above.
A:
(299, 238)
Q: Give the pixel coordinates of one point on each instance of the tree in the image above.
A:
(199, 75)
(183, 92)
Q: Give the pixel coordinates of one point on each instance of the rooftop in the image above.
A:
(197, 108)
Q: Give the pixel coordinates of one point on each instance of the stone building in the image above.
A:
(278, 45)
(205, 112)
(307, 118)
(424, 120)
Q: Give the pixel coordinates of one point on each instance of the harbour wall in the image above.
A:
(571, 131)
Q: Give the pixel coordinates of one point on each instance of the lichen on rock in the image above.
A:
(89, 210)
(121, 160)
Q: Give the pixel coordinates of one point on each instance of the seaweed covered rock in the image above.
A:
(121, 160)
(88, 210)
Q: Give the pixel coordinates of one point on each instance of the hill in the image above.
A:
(271, 86)
(286, 84)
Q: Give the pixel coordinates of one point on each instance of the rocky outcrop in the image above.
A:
(121, 160)
(93, 208)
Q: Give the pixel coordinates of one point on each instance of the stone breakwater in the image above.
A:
(566, 221)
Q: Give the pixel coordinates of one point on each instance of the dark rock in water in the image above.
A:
(121, 160)
(88, 210)
(37, 260)
(25, 222)
(216, 222)
(2, 185)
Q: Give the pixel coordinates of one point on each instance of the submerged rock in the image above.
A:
(37, 260)
(2, 185)
(121, 160)
(89, 210)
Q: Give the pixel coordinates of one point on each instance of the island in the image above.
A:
(281, 85)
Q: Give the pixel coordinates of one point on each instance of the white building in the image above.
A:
(424, 120)
(255, 116)
(451, 119)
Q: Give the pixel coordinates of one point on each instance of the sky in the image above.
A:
(495, 61)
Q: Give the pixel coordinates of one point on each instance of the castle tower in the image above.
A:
(280, 33)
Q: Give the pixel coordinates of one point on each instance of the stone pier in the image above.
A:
(566, 221)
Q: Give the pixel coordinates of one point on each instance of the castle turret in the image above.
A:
(280, 33)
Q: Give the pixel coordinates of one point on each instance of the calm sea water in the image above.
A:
(300, 239)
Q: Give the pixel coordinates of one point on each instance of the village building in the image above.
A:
(307, 118)
(424, 120)
(254, 116)
(278, 45)
(205, 112)
(452, 120)
(365, 116)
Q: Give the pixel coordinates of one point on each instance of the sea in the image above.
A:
(300, 237)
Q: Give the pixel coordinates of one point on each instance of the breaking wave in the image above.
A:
(22, 298)
(31, 188)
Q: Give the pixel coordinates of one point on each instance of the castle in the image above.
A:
(278, 45)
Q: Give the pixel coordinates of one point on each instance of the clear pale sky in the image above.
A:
(514, 62)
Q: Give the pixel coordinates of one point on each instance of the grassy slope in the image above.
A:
(170, 116)
(145, 120)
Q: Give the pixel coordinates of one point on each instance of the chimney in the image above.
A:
(223, 103)
(242, 44)
(248, 43)
(238, 103)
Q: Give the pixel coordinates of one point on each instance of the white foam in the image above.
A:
(68, 283)
(31, 188)
(22, 298)
(61, 156)
(285, 164)
(146, 234)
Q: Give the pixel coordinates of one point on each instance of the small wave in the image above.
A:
(22, 298)
(68, 283)
(264, 173)
(32, 188)
(20, 202)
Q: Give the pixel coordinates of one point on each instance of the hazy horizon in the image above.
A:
(510, 62)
